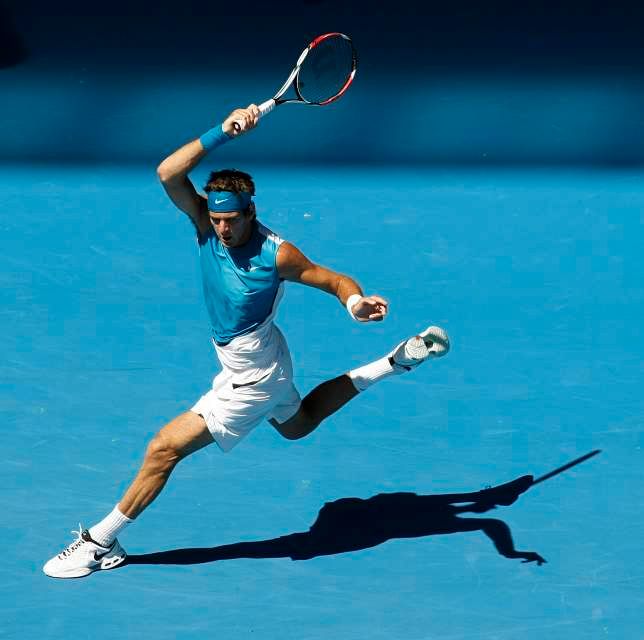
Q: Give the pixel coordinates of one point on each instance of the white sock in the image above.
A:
(107, 529)
(363, 377)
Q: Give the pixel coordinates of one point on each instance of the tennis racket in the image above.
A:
(323, 72)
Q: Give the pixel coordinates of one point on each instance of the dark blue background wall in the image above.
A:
(464, 82)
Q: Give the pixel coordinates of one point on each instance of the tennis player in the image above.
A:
(243, 266)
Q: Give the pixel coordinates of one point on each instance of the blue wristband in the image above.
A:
(214, 138)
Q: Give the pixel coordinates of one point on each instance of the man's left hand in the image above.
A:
(370, 309)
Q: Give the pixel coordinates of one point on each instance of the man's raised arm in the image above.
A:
(173, 171)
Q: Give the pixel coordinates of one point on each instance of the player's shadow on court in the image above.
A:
(351, 524)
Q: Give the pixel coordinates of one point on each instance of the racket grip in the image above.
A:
(264, 108)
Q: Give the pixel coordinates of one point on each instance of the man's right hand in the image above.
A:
(241, 120)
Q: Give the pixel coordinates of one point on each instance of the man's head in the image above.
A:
(230, 206)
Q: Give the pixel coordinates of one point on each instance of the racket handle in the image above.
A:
(264, 108)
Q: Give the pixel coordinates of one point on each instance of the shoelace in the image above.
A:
(74, 545)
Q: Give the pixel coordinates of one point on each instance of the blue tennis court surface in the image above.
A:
(538, 278)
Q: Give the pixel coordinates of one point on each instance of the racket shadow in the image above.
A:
(353, 524)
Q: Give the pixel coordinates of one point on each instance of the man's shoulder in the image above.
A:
(268, 235)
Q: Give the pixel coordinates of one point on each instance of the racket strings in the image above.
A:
(326, 70)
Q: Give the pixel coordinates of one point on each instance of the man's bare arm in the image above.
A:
(294, 266)
(173, 171)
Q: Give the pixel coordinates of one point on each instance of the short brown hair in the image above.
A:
(230, 180)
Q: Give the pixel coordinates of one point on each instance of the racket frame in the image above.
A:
(269, 105)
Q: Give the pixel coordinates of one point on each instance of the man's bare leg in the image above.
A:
(182, 436)
(97, 548)
(324, 400)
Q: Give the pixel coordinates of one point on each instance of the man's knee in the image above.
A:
(182, 436)
(161, 454)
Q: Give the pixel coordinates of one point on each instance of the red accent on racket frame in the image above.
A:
(347, 84)
(324, 36)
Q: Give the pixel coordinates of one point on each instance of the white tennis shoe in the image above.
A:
(431, 343)
(84, 556)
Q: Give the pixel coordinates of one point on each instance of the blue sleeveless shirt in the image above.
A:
(241, 285)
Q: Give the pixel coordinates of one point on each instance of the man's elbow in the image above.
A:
(164, 173)
(170, 172)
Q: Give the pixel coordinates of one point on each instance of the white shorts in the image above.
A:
(256, 382)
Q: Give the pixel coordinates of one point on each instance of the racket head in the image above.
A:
(326, 69)
(323, 73)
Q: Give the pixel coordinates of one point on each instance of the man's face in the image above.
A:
(233, 228)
